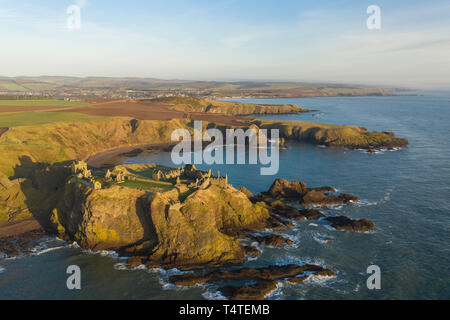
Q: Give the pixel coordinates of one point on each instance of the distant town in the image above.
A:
(130, 88)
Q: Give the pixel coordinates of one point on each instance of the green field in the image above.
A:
(144, 185)
(49, 103)
(30, 118)
(10, 86)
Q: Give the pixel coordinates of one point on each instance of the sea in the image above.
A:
(405, 193)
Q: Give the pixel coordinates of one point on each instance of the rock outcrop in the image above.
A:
(168, 232)
(257, 291)
(282, 189)
(272, 240)
(344, 223)
(318, 198)
(269, 273)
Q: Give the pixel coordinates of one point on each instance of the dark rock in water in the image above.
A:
(245, 191)
(257, 291)
(344, 223)
(311, 214)
(133, 262)
(322, 189)
(251, 251)
(284, 189)
(321, 273)
(317, 198)
(265, 273)
(289, 212)
(275, 224)
(272, 240)
(298, 279)
(14, 246)
(371, 150)
(347, 198)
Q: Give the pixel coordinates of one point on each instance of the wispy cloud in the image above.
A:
(237, 41)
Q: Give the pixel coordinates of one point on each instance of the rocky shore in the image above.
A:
(182, 218)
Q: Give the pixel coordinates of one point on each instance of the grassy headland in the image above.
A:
(35, 141)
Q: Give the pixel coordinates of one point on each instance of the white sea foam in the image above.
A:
(290, 259)
(105, 253)
(2, 270)
(120, 266)
(213, 295)
(3, 256)
(321, 238)
(42, 250)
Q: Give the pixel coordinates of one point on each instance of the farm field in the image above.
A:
(18, 119)
(50, 103)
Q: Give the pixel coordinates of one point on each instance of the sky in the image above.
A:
(279, 40)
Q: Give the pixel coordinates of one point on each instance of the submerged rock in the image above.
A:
(276, 224)
(265, 273)
(281, 209)
(251, 251)
(344, 223)
(318, 198)
(14, 246)
(257, 291)
(272, 240)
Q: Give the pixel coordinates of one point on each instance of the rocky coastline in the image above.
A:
(184, 218)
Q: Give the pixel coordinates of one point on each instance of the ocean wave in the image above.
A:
(321, 238)
(105, 253)
(2, 270)
(39, 246)
(213, 295)
(37, 251)
(290, 259)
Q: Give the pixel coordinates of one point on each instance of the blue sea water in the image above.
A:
(405, 193)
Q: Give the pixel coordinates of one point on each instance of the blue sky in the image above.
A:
(321, 41)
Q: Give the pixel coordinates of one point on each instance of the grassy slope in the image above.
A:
(23, 146)
(49, 103)
(332, 135)
(31, 118)
(226, 107)
(62, 141)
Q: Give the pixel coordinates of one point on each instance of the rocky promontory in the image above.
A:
(180, 217)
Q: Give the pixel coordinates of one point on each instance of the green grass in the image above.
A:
(39, 86)
(10, 86)
(29, 118)
(45, 103)
(144, 185)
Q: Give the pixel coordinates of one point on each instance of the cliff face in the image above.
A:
(28, 154)
(158, 225)
(333, 135)
(227, 107)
